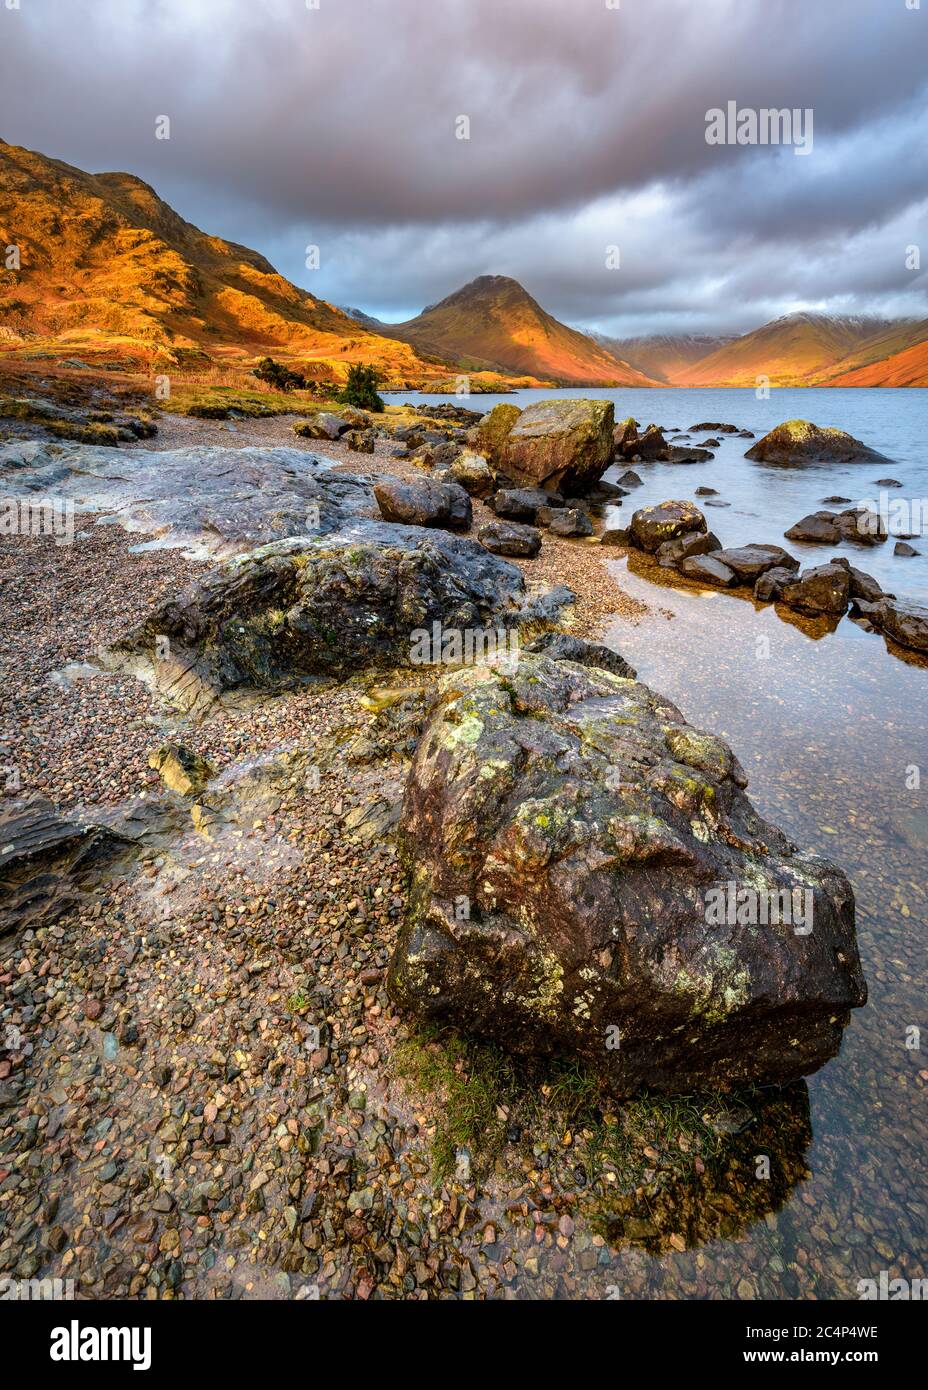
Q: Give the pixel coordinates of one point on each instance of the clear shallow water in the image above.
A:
(766, 501)
(828, 725)
(828, 732)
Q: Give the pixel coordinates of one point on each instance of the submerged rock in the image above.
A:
(565, 833)
(905, 623)
(796, 442)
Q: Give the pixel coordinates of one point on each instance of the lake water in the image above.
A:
(831, 730)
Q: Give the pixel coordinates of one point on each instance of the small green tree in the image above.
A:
(278, 376)
(361, 389)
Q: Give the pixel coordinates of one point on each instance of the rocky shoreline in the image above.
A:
(213, 1091)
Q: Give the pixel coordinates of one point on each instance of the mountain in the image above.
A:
(106, 264)
(494, 324)
(664, 357)
(798, 350)
(896, 357)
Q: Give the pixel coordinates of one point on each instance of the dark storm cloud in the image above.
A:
(336, 125)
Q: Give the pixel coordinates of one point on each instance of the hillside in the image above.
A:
(792, 351)
(664, 357)
(106, 264)
(906, 368)
(494, 324)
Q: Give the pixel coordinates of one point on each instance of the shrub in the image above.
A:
(361, 389)
(278, 376)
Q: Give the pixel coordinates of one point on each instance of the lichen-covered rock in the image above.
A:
(797, 442)
(270, 619)
(491, 433)
(560, 445)
(651, 527)
(473, 474)
(565, 831)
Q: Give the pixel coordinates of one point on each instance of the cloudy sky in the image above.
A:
(335, 123)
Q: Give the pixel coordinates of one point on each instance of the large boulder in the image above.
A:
(424, 504)
(588, 879)
(296, 609)
(560, 445)
(651, 527)
(797, 442)
(491, 433)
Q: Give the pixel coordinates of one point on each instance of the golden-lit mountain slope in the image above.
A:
(494, 323)
(104, 260)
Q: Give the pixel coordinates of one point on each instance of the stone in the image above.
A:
(749, 561)
(769, 586)
(589, 827)
(652, 526)
(180, 769)
(562, 445)
(903, 548)
(270, 618)
(798, 442)
(570, 521)
(509, 538)
(672, 552)
(905, 623)
(325, 425)
(522, 503)
(425, 503)
(824, 589)
(561, 646)
(707, 569)
(472, 472)
(818, 528)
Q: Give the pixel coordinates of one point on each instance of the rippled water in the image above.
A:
(831, 729)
